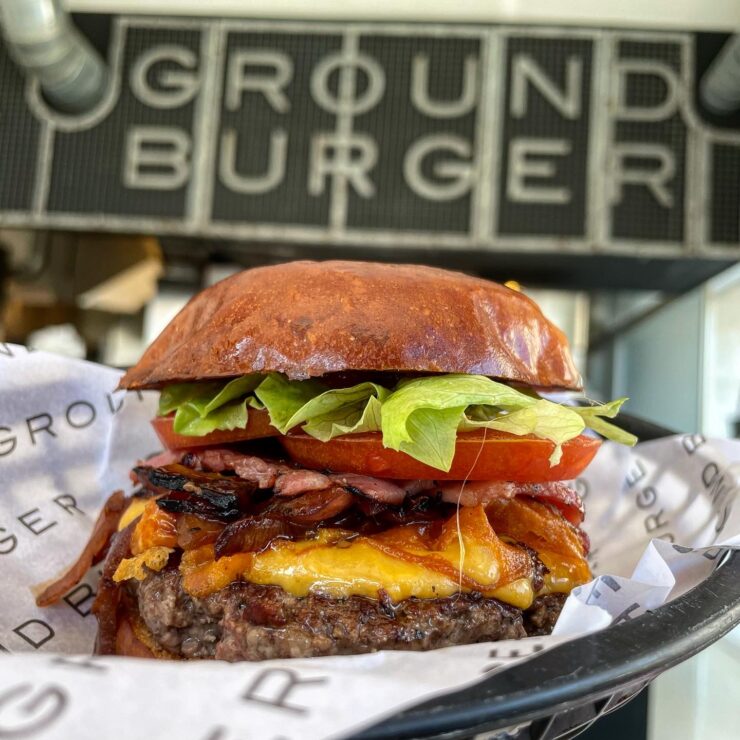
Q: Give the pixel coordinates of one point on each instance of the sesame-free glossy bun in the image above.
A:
(308, 319)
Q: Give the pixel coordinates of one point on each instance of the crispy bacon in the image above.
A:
(203, 503)
(105, 526)
(205, 491)
(378, 489)
(300, 481)
(286, 480)
(475, 493)
(105, 606)
(560, 495)
(207, 495)
(414, 487)
(263, 473)
(167, 457)
(181, 478)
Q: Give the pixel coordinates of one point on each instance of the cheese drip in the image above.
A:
(404, 562)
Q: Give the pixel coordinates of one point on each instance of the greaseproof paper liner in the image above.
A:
(659, 517)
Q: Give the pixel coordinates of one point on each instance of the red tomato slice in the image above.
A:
(497, 457)
(258, 425)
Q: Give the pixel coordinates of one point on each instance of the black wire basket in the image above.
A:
(562, 692)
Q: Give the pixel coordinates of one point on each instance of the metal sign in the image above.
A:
(396, 135)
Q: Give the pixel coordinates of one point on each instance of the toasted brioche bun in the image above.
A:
(309, 319)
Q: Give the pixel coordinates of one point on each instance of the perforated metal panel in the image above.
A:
(19, 141)
(482, 138)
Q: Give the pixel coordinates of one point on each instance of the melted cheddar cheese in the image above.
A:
(404, 562)
(134, 511)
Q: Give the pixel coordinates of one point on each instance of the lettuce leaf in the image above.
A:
(284, 398)
(429, 435)
(363, 416)
(545, 420)
(229, 416)
(201, 408)
(592, 416)
(324, 413)
(178, 394)
(420, 417)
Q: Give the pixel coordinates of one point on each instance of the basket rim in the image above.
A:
(588, 668)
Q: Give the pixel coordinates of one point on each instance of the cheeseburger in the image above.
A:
(357, 457)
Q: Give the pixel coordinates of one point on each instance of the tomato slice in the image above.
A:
(496, 457)
(258, 425)
(500, 457)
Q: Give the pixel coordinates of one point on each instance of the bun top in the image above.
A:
(307, 319)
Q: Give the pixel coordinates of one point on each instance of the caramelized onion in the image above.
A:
(314, 506)
(255, 534)
(193, 532)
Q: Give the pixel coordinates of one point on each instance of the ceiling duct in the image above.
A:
(43, 40)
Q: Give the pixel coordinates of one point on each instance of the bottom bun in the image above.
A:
(248, 622)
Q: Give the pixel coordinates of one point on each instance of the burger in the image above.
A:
(357, 457)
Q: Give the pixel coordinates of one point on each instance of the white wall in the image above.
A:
(658, 364)
(680, 366)
(721, 371)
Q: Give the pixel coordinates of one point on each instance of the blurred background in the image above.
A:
(587, 153)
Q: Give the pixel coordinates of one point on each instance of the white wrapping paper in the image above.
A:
(67, 441)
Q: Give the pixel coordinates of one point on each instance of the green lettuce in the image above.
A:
(322, 413)
(592, 416)
(545, 420)
(202, 408)
(284, 398)
(420, 417)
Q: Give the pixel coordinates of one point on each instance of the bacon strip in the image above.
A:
(380, 490)
(289, 481)
(167, 457)
(105, 606)
(104, 528)
(300, 481)
(263, 473)
(476, 493)
(181, 478)
(559, 494)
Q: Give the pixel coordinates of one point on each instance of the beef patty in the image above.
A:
(245, 621)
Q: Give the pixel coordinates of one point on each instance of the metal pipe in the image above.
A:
(42, 39)
(720, 85)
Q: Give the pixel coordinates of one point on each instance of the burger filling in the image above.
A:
(281, 561)
(297, 518)
(250, 622)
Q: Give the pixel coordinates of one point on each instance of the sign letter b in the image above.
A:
(156, 158)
